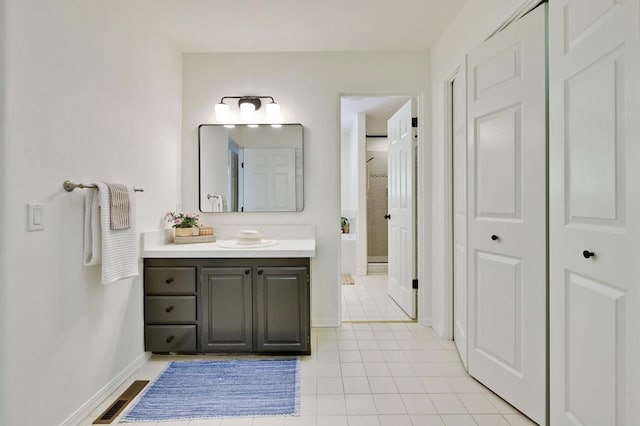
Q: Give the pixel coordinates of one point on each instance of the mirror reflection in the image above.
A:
(251, 168)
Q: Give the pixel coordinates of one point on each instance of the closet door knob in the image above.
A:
(495, 237)
(170, 338)
(387, 216)
(169, 309)
(169, 280)
(260, 272)
(247, 271)
(587, 254)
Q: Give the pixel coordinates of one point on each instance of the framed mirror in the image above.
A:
(251, 168)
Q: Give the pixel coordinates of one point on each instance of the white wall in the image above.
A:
(308, 86)
(473, 24)
(90, 96)
(349, 169)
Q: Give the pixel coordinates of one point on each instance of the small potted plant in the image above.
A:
(344, 224)
(184, 224)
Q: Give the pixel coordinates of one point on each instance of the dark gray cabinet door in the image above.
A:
(282, 309)
(226, 302)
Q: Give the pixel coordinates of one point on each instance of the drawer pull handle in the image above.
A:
(247, 271)
(169, 280)
(169, 309)
(260, 272)
(170, 338)
(495, 237)
(587, 254)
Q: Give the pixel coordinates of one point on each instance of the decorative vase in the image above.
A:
(183, 232)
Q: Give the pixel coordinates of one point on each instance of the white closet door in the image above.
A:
(459, 127)
(402, 204)
(594, 168)
(507, 232)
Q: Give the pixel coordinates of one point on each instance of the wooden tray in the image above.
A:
(195, 239)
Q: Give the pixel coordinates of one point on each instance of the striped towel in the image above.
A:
(119, 205)
(116, 250)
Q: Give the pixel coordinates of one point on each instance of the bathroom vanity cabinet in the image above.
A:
(235, 305)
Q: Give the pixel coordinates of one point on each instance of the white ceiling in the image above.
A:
(298, 25)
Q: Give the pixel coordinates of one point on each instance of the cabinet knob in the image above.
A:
(170, 338)
(260, 271)
(247, 271)
(169, 308)
(169, 280)
(495, 237)
(387, 216)
(587, 254)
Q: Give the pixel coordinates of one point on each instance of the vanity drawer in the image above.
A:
(170, 338)
(170, 309)
(174, 280)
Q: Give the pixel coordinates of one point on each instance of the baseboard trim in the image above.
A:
(93, 402)
(437, 327)
(325, 323)
(426, 323)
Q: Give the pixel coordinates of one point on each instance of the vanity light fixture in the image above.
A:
(253, 126)
(248, 105)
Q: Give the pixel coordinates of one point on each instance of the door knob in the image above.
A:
(387, 216)
(260, 272)
(247, 271)
(587, 254)
(495, 237)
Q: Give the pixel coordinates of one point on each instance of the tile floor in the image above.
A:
(378, 374)
(367, 300)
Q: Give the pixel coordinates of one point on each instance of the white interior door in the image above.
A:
(459, 150)
(402, 201)
(594, 167)
(507, 230)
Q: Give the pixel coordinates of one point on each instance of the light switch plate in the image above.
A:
(35, 217)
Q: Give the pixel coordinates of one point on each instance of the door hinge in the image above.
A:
(415, 284)
(414, 122)
(242, 208)
(242, 165)
(308, 340)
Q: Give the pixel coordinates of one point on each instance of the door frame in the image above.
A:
(447, 326)
(423, 206)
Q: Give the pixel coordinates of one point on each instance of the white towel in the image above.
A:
(219, 203)
(92, 250)
(116, 250)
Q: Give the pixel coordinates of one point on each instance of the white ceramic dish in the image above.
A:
(233, 244)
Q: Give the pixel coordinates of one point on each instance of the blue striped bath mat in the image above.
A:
(230, 388)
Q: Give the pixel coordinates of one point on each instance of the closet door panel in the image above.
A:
(594, 301)
(507, 229)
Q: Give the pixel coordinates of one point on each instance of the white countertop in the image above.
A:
(284, 248)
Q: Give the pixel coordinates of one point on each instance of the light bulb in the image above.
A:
(229, 126)
(246, 110)
(222, 112)
(253, 126)
(277, 126)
